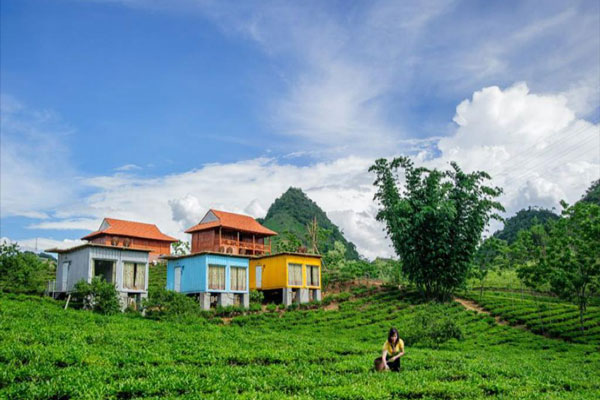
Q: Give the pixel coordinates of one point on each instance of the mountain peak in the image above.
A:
(293, 210)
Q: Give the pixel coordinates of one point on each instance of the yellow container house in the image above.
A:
(287, 277)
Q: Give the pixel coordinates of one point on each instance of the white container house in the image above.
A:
(126, 268)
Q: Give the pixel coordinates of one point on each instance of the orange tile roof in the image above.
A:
(233, 221)
(131, 228)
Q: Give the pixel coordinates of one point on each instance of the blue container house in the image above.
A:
(215, 278)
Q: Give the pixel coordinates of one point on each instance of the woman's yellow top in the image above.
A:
(396, 349)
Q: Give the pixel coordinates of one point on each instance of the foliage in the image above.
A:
(168, 304)
(293, 211)
(592, 194)
(489, 256)
(543, 314)
(433, 328)
(287, 242)
(50, 353)
(256, 296)
(570, 259)
(180, 248)
(524, 220)
(98, 295)
(436, 222)
(23, 272)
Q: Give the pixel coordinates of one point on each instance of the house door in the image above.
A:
(177, 280)
(258, 277)
(65, 275)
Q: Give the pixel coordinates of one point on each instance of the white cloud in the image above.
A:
(42, 244)
(128, 167)
(532, 145)
(69, 224)
(35, 173)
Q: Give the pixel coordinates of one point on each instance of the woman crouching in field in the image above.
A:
(393, 349)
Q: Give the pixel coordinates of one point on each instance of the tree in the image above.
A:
(288, 242)
(592, 194)
(487, 257)
(22, 272)
(436, 222)
(181, 248)
(570, 262)
(526, 251)
(523, 220)
(316, 237)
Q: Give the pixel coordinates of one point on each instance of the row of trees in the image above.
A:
(562, 255)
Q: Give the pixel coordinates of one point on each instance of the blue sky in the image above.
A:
(181, 102)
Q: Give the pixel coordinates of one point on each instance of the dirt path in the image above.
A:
(471, 305)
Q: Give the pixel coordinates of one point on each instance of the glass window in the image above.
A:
(238, 278)
(134, 276)
(106, 269)
(295, 274)
(312, 275)
(216, 277)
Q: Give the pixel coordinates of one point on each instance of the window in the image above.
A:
(295, 274)
(105, 269)
(216, 277)
(238, 278)
(134, 276)
(312, 275)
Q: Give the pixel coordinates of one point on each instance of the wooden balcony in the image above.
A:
(253, 247)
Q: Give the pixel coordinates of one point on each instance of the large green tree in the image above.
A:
(435, 221)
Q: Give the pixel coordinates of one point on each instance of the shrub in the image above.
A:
(163, 303)
(99, 296)
(254, 307)
(271, 307)
(256, 296)
(432, 329)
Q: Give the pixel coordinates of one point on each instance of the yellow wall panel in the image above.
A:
(275, 270)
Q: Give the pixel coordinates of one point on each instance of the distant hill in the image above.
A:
(524, 219)
(293, 211)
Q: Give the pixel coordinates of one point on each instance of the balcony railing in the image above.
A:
(261, 247)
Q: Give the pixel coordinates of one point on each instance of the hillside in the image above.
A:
(47, 352)
(524, 219)
(293, 211)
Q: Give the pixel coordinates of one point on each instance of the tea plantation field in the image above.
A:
(49, 353)
(541, 314)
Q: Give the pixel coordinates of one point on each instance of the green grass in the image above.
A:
(541, 314)
(49, 353)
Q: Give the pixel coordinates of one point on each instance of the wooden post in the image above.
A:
(67, 303)
(220, 228)
(238, 241)
(253, 245)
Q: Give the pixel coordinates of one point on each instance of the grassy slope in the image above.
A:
(46, 352)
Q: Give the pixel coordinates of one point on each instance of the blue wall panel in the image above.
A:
(194, 272)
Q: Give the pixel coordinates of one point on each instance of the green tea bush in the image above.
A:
(271, 307)
(432, 329)
(255, 307)
(99, 296)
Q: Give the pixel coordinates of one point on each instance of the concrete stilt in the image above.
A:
(204, 300)
(225, 299)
